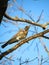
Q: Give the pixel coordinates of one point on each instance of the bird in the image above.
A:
(3, 8)
(21, 34)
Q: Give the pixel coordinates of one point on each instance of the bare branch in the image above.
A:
(25, 20)
(22, 42)
(27, 61)
(46, 37)
(39, 17)
(43, 44)
(21, 9)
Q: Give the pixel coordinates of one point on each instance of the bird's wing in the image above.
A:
(14, 39)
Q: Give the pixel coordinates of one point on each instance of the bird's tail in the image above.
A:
(4, 45)
(11, 41)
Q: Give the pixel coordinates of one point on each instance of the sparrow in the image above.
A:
(22, 33)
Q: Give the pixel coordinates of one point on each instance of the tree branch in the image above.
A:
(25, 20)
(23, 42)
(46, 37)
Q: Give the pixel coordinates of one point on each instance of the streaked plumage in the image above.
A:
(17, 37)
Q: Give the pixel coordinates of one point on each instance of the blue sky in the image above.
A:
(28, 50)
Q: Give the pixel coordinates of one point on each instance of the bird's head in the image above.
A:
(27, 27)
